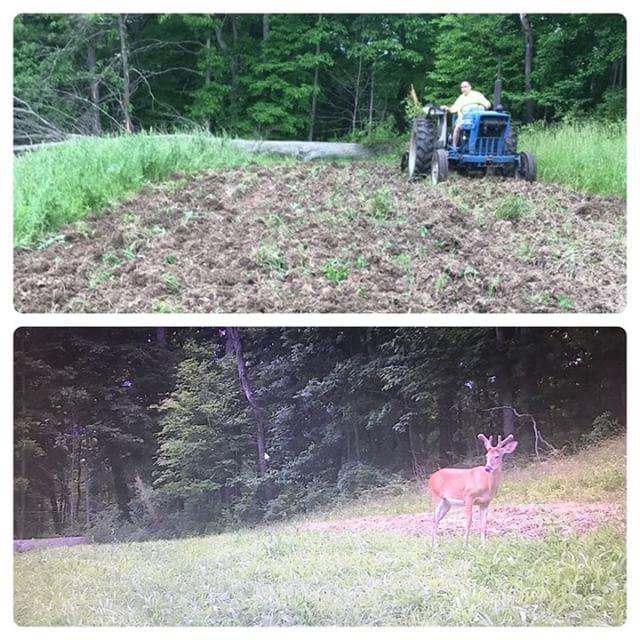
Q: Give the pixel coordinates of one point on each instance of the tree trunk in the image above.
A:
(120, 486)
(126, 85)
(356, 442)
(527, 31)
(87, 494)
(72, 473)
(79, 479)
(316, 88)
(445, 427)
(23, 491)
(161, 336)
(371, 94)
(207, 78)
(235, 345)
(94, 86)
(232, 56)
(356, 100)
(265, 27)
(505, 381)
(55, 508)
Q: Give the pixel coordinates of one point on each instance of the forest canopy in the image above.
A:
(178, 431)
(303, 75)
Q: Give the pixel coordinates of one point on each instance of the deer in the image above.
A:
(468, 487)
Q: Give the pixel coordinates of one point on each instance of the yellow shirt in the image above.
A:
(472, 99)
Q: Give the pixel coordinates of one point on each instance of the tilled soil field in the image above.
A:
(334, 237)
(525, 521)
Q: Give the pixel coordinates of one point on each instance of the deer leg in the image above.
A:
(468, 504)
(484, 508)
(441, 511)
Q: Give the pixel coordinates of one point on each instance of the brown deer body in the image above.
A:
(469, 487)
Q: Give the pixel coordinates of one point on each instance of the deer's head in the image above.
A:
(495, 454)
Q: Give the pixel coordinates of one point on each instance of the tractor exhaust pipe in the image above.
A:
(497, 95)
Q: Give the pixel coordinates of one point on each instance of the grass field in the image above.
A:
(62, 184)
(285, 575)
(587, 156)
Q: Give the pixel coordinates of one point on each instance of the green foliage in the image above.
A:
(204, 440)
(336, 270)
(604, 426)
(270, 256)
(227, 73)
(381, 204)
(512, 208)
(384, 136)
(354, 477)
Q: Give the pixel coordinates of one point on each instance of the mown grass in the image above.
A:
(64, 183)
(280, 577)
(584, 155)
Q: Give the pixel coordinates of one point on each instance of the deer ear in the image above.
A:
(485, 440)
(510, 447)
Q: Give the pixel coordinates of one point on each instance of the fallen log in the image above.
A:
(20, 546)
(299, 149)
(305, 150)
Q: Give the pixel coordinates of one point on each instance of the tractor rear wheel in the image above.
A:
(421, 148)
(527, 167)
(439, 166)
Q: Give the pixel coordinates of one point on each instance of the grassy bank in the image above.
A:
(587, 156)
(64, 183)
(278, 577)
(558, 479)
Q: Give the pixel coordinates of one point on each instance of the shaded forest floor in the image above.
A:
(334, 237)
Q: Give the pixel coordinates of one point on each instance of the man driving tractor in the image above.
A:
(468, 101)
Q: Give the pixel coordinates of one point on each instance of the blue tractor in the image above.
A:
(488, 144)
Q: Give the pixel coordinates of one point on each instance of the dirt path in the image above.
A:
(529, 521)
(334, 237)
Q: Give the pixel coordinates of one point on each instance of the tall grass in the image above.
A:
(280, 577)
(584, 155)
(64, 183)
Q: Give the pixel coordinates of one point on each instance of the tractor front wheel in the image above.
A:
(511, 141)
(527, 166)
(421, 148)
(439, 166)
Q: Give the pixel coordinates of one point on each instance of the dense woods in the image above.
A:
(136, 431)
(303, 76)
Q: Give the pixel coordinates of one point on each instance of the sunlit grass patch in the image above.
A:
(62, 184)
(585, 155)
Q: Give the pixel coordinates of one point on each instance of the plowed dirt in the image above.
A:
(334, 237)
(527, 520)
